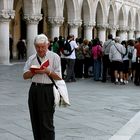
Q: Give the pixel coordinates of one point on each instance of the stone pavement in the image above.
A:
(97, 112)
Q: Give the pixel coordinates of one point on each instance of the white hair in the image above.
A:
(41, 38)
(117, 39)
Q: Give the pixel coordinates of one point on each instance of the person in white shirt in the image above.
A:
(70, 60)
(41, 96)
(132, 61)
(116, 57)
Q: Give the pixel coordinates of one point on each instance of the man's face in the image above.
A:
(41, 49)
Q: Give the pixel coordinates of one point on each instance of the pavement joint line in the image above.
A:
(129, 129)
(13, 63)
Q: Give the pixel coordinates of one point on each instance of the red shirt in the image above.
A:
(137, 46)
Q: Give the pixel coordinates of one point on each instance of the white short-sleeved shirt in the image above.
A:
(54, 65)
(73, 47)
(106, 46)
(116, 55)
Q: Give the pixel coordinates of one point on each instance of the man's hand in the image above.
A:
(45, 70)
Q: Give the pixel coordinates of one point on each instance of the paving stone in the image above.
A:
(98, 110)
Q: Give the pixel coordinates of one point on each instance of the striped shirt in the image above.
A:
(54, 65)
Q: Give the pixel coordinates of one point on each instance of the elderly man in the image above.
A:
(41, 98)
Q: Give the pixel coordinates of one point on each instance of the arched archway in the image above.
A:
(122, 32)
(130, 22)
(111, 16)
(121, 21)
(111, 22)
(73, 16)
(23, 27)
(65, 29)
(100, 31)
(87, 26)
(137, 27)
(99, 14)
(130, 25)
(41, 23)
(70, 18)
(18, 26)
(137, 22)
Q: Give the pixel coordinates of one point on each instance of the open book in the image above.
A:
(35, 67)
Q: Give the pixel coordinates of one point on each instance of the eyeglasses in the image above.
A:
(41, 47)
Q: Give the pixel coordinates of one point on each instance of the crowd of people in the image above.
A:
(112, 60)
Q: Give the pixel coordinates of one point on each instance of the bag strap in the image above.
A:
(70, 46)
(39, 61)
(118, 50)
(60, 102)
(132, 51)
(108, 44)
(125, 52)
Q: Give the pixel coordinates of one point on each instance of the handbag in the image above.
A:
(60, 91)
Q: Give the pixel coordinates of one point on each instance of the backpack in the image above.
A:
(67, 50)
(96, 51)
(130, 54)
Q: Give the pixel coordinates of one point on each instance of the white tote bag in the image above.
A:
(61, 93)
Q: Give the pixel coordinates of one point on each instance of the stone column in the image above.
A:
(101, 29)
(112, 30)
(131, 34)
(5, 17)
(88, 31)
(74, 27)
(56, 22)
(137, 34)
(32, 31)
(123, 33)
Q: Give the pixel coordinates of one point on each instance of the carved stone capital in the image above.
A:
(132, 29)
(4, 19)
(56, 20)
(137, 31)
(113, 27)
(89, 24)
(75, 23)
(33, 19)
(102, 26)
(6, 15)
(123, 28)
(11, 14)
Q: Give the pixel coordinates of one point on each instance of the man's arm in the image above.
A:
(28, 75)
(44, 71)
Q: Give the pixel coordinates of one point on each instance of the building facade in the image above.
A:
(83, 18)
